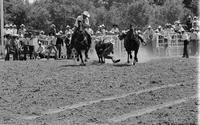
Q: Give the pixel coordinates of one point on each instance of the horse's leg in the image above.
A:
(86, 55)
(136, 52)
(128, 57)
(81, 56)
(135, 58)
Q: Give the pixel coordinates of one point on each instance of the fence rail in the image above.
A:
(171, 46)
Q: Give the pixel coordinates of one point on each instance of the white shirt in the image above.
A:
(80, 18)
(185, 36)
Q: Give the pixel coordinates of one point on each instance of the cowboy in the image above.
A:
(84, 20)
(185, 38)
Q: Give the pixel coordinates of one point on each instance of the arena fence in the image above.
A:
(170, 46)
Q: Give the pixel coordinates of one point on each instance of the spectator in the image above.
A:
(90, 31)
(193, 41)
(185, 38)
(195, 23)
(103, 29)
(115, 29)
(22, 30)
(68, 31)
(59, 43)
(15, 29)
(148, 35)
(40, 51)
(52, 30)
(160, 30)
(177, 26)
(155, 43)
(188, 23)
(6, 31)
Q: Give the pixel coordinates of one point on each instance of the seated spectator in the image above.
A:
(40, 51)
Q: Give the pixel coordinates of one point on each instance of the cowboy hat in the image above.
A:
(14, 26)
(41, 32)
(22, 25)
(182, 30)
(15, 35)
(149, 27)
(10, 25)
(192, 29)
(59, 33)
(53, 26)
(178, 21)
(6, 26)
(67, 26)
(195, 17)
(86, 13)
(159, 27)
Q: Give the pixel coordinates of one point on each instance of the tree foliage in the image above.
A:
(141, 13)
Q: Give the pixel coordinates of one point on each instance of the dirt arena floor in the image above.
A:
(157, 92)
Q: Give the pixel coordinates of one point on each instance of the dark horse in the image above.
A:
(80, 42)
(131, 43)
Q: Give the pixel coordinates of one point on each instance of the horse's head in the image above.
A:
(80, 25)
(121, 36)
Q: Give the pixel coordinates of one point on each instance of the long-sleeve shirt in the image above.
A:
(84, 21)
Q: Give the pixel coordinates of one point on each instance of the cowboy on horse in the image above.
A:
(82, 20)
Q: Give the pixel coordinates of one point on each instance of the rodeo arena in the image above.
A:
(105, 77)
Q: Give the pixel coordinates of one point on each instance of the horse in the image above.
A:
(80, 43)
(131, 43)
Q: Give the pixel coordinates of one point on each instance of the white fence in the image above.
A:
(172, 46)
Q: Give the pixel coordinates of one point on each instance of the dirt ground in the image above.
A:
(157, 92)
